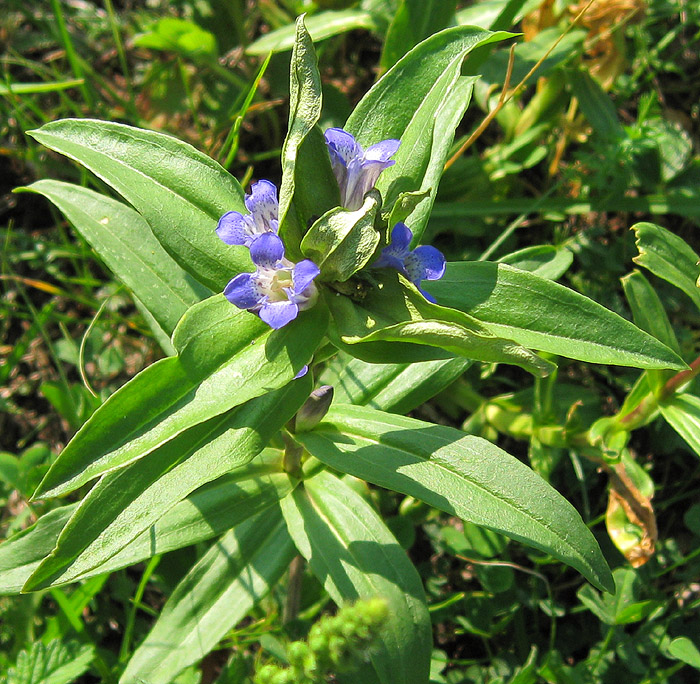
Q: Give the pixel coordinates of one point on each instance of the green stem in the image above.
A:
(131, 617)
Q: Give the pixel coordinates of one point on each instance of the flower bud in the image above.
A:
(314, 409)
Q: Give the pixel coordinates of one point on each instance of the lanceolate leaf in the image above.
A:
(460, 474)
(355, 556)
(544, 315)
(126, 243)
(682, 413)
(321, 25)
(388, 108)
(207, 512)
(668, 256)
(181, 192)
(225, 357)
(125, 503)
(395, 387)
(236, 572)
(392, 321)
(304, 113)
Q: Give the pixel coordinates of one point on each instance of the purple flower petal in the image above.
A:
(304, 370)
(425, 263)
(342, 144)
(232, 228)
(266, 250)
(303, 275)
(388, 260)
(243, 291)
(427, 295)
(382, 151)
(262, 204)
(401, 236)
(278, 314)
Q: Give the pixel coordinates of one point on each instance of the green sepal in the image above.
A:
(342, 242)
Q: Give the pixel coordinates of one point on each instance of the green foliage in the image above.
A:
(230, 502)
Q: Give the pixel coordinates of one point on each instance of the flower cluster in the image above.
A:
(279, 289)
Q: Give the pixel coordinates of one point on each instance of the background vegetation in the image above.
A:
(602, 136)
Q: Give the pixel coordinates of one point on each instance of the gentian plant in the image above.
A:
(225, 439)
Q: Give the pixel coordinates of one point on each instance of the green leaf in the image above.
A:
(395, 387)
(125, 242)
(544, 315)
(22, 553)
(460, 474)
(34, 88)
(624, 605)
(647, 310)
(178, 35)
(391, 104)
(321, 25)
(208, 511)
(393, 311)
(216, 594)
(545, 261)
(420, 100)
(682, 413)
(682, 648)
(668, 256)
(58, 662)
(596, 105)
(181, 192)
(125, 503)
(414, 21)
(225, 357)
(304, 113)
(355, 556)
(341, 242)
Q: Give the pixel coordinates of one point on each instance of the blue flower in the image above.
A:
(279, 289)
(357, 170)
(422, 263)
(241, 229)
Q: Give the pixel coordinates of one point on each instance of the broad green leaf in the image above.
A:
(354, 555)
(544, 315)
(320, 26)
(207, 512)
(545, 261)
(682, 413)
(216, 594)
(669, 257)
(225, 357)
(58, 662)
(304, 113)
(341, 242)
(172, 34)
(460, 474)
(390, 105)
(392, 310)
(181, 192)
(414, 21)
(127, 502)
(125, 242)
(395, 387)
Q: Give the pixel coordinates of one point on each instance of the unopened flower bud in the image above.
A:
(314, 409)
